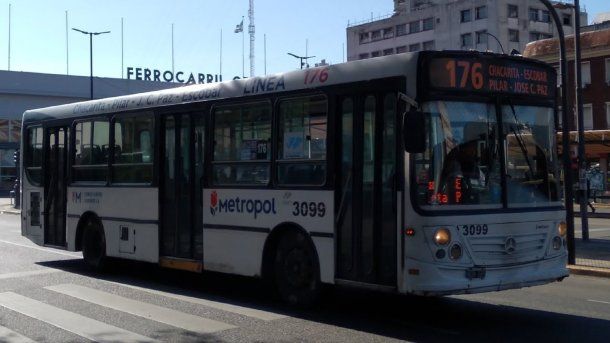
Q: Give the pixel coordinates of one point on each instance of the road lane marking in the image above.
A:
(28, 273)
(10, 336)
(69, 321)
(137, 308)
(599, 301)
(48, 250)
(242, 310)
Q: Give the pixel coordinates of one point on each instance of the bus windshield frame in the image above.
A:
(506, 135)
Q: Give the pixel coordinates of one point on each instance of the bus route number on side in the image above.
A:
(473, 230)
(308, 209)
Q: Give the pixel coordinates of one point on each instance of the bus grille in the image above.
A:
(491, 250)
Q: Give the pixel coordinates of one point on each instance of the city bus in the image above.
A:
(430, 173)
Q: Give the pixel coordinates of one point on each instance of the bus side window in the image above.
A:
(133, 150)
(302, 141)
(242, 144)
(33, 155)
(90, 162)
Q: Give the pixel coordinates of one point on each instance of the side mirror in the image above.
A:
(414, 131)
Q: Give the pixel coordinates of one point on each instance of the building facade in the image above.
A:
(456, 25)
(20, 91)
(595, 76)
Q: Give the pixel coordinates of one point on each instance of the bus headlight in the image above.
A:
(556, 243)
(442, 236)
(455, 252)
(562, 229)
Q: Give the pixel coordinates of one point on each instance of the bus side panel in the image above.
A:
(32, 206)
(129, 215)
(237, 223)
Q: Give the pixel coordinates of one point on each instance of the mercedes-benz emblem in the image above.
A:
(510, 245)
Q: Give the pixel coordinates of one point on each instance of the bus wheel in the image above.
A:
(94, 246)
(296, 270)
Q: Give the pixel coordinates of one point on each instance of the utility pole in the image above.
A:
(582, 163)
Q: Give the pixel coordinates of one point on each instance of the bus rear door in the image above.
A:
(55, 185)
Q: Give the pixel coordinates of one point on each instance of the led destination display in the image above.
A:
(491, 76)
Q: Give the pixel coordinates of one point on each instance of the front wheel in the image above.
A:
(94, 246)
(296, 270)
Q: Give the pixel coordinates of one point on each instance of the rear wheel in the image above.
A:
(94, 246)
(296, 270)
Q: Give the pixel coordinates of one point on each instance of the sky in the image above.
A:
(38, 34)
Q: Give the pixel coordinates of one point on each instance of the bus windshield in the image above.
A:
(461, 166)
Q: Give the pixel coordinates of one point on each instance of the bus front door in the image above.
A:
(181, 187)
(366, 192)
(55, 186)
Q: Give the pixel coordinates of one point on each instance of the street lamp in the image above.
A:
(302, 58)
(91, 34)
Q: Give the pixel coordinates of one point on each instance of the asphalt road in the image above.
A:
(599, 228)
(49, 296)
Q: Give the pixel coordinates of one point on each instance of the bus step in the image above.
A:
(181, 264)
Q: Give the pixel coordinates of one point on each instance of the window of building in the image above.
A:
(587, 111)
(608, 115)
(389, 51)
(466, 40)
(242, 144)
(388, 32)
(401, 29)
(33, 155)
(513, 35)
(375, 35)
(401, 49)
(428, 24)
(414, 47)
(302, 141)
(482, 37)
(465, 16)
(539, 35)
(14, 130)
(567, 20)
(363, 56)
(376, 53)
(585, 72)
(533, 14)
(364, 37)
(414, 27)
(133, 149)
(545, 17)
(608, 71)
(4, 131)
(480, 12)
(513, 11)
(91, 151)
(559, 118)
(429, 45)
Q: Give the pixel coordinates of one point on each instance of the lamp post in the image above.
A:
(494, 37)
(303, 59)
(567, 172)
(91, 34)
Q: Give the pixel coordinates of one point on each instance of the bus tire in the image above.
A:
(296, 270)
(94, 246)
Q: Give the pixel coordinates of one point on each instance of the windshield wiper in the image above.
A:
(519, 137)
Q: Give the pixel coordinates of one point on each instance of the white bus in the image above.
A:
(428, 173)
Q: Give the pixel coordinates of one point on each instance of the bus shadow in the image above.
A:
(412, 318)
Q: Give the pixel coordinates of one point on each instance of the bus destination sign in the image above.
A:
(490, 75)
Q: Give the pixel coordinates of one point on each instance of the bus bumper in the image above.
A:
(434, 279)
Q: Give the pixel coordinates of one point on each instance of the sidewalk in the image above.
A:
(7, 207)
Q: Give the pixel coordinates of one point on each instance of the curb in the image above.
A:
(589, 271)
(10, 211)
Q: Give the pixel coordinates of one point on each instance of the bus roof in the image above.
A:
(362, 70)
